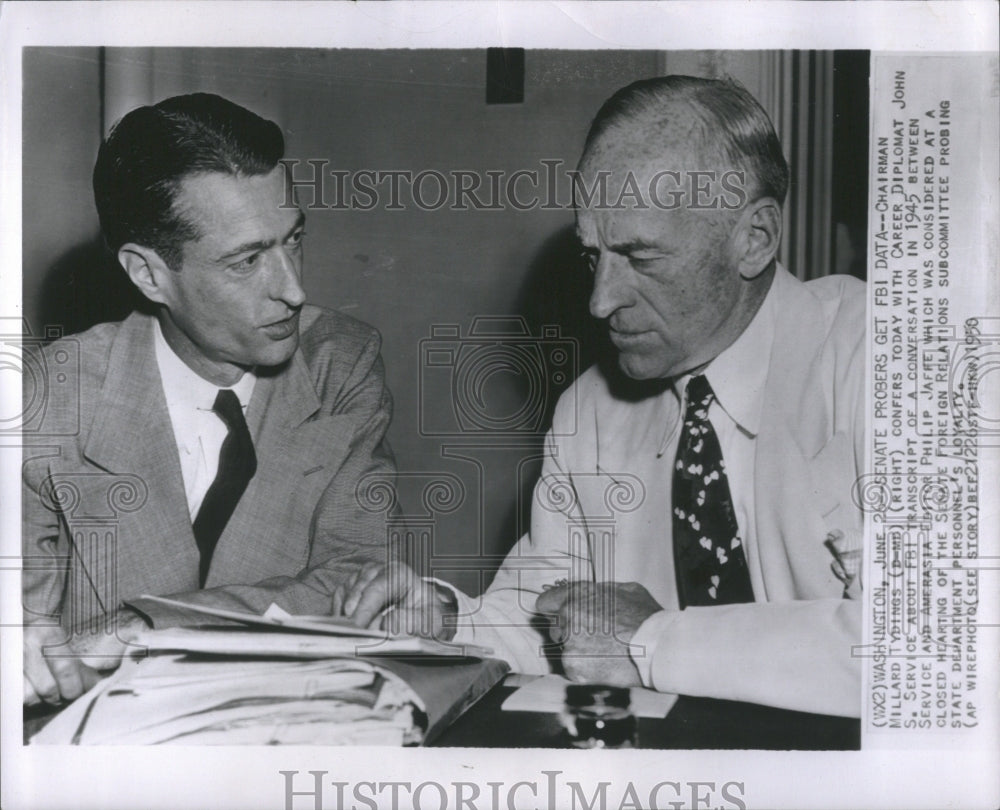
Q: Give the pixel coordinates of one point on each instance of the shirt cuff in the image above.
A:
(447, 586)
(459, 637)
(643, 645)
(160, 616)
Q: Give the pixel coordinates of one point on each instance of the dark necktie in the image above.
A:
(708, 551)
(237, 464)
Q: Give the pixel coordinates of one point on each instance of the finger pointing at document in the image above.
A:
(395, 597)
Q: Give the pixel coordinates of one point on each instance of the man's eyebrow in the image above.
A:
(262, 244)
(632, 245)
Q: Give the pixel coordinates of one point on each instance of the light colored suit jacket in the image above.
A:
(105, 517)
(604, 496)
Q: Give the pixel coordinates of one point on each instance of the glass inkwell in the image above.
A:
(597, 716)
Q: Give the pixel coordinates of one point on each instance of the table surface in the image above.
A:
(691, 723)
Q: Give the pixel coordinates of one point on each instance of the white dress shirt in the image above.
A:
(737, 377)
(198, 430)
(601, 511)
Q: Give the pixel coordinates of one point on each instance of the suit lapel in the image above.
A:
(132, 435)
(282, 400)
(790, 503)
(298, 452)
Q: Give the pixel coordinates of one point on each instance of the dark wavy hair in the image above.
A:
(152, 149)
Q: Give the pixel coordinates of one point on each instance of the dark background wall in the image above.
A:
(410, 272)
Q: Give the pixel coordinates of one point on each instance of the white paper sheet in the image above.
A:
(548, 692)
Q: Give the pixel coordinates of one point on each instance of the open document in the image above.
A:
(300, 636)
(276, 684)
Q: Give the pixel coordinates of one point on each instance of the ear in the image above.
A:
(758, 236)
(147, 271)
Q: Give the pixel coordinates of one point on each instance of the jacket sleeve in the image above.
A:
(51, 413)
(504, 617)
(45, 547)
(344, 535)
(793, 655)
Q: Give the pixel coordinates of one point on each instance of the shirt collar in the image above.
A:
(185, 388)
(738, 374)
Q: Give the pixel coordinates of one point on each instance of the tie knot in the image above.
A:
(227, 406)
(699, 396)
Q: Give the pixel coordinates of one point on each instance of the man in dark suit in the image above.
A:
(210, 450)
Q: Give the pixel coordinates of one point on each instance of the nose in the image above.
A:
(609, 290)
(287, 279)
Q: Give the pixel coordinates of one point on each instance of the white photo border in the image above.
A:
(250, 778)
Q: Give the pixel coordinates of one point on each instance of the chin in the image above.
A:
(278, 353)
(640, 368)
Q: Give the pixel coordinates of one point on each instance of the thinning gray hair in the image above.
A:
(732, 126)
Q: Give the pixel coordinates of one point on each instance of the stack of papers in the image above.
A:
(177, 699)
(277, 679)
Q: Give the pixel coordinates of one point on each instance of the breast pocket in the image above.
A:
(832, 476)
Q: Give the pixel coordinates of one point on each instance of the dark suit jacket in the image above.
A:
(104, 512)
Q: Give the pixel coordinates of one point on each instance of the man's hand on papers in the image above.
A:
(395, 597)
(58, 668)
(594, 622)
(51, 674)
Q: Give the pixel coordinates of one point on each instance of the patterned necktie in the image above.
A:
(708, 552)
(237, 465)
